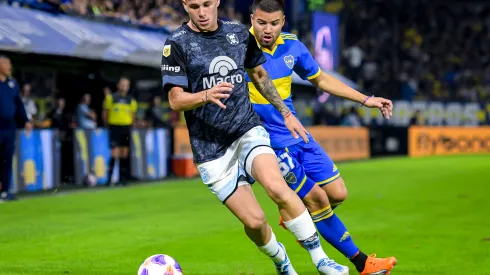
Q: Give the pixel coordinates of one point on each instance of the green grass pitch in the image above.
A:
(431, 213)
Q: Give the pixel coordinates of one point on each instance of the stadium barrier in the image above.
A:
(341, 143)
(37, 161)
(150, 151)
(442, 141)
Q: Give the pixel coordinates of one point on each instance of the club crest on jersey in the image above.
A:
(11, 84)
(232, 39)
(291, 178)
(289, 60)
(166, 50)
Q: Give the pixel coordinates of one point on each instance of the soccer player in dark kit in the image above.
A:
(203, 70)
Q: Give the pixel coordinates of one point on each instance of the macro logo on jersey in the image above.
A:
(166, 50)
(232, 39)
(222, 69)
(289, 60)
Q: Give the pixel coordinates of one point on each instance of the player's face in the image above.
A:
(267, 26)
(5, 67)
(203, 13)
(123, 86)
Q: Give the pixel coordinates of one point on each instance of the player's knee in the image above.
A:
(339, 196)
(316, 199)
(279, 192)
(255, 221)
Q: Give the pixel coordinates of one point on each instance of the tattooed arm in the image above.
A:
(262, 81)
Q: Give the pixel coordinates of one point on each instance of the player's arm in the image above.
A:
(176, 83)
(263, 82)
(20, 110)
(105, 110)
(307, 68)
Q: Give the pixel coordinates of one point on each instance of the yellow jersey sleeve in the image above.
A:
(108, 102)
(134, 106)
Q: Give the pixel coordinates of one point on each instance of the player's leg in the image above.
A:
(114, 145)
(320, 168)
(124, 167)
(226, 179)
(257, 228)
(260, 162)
(336, 191)
(7, 148)
(314, 198)
(327, 222)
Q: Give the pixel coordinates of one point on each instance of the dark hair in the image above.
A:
(2, 56)
(268, 5)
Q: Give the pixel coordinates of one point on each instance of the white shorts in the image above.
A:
(223, 175)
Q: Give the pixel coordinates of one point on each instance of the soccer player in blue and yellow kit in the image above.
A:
(305, 166)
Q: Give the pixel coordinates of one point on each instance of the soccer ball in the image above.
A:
(160, 264)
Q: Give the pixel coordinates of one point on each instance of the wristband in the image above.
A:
(288, 114)
(205, 98)
(364, 102)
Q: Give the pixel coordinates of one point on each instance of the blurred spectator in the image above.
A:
(417, 118)
(154, 114)
(351, 119)
(354, 55)
(58, 117)
(85, 116)
(29, 104)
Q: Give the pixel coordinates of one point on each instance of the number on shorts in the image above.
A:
(286, 163)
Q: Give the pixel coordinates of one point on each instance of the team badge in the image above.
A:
(289, 60)
(166, 50)
(232, 39)
(291, 178)
(11, 84)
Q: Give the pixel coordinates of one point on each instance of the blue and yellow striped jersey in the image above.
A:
(288, 55)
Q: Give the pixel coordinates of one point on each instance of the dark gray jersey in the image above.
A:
(198, 61)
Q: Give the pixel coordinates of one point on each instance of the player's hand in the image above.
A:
(295, 127)
(383, 104)
(218, 92)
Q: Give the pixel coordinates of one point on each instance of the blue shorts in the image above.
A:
(305, 164)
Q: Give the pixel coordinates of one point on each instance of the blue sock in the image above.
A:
(334, 232)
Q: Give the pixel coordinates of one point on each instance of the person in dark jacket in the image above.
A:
(12, 113)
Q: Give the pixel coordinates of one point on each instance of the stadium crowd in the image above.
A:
(428, 50)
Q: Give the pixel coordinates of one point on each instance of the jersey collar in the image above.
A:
(279, 41)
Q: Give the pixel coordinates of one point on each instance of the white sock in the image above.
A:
(304, 230)
(273, 250)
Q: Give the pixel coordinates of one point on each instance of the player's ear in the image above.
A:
(251, 18)
(283, 20)
(217, 3)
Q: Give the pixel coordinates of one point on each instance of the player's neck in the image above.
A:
(196, 29)
(3, 78)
